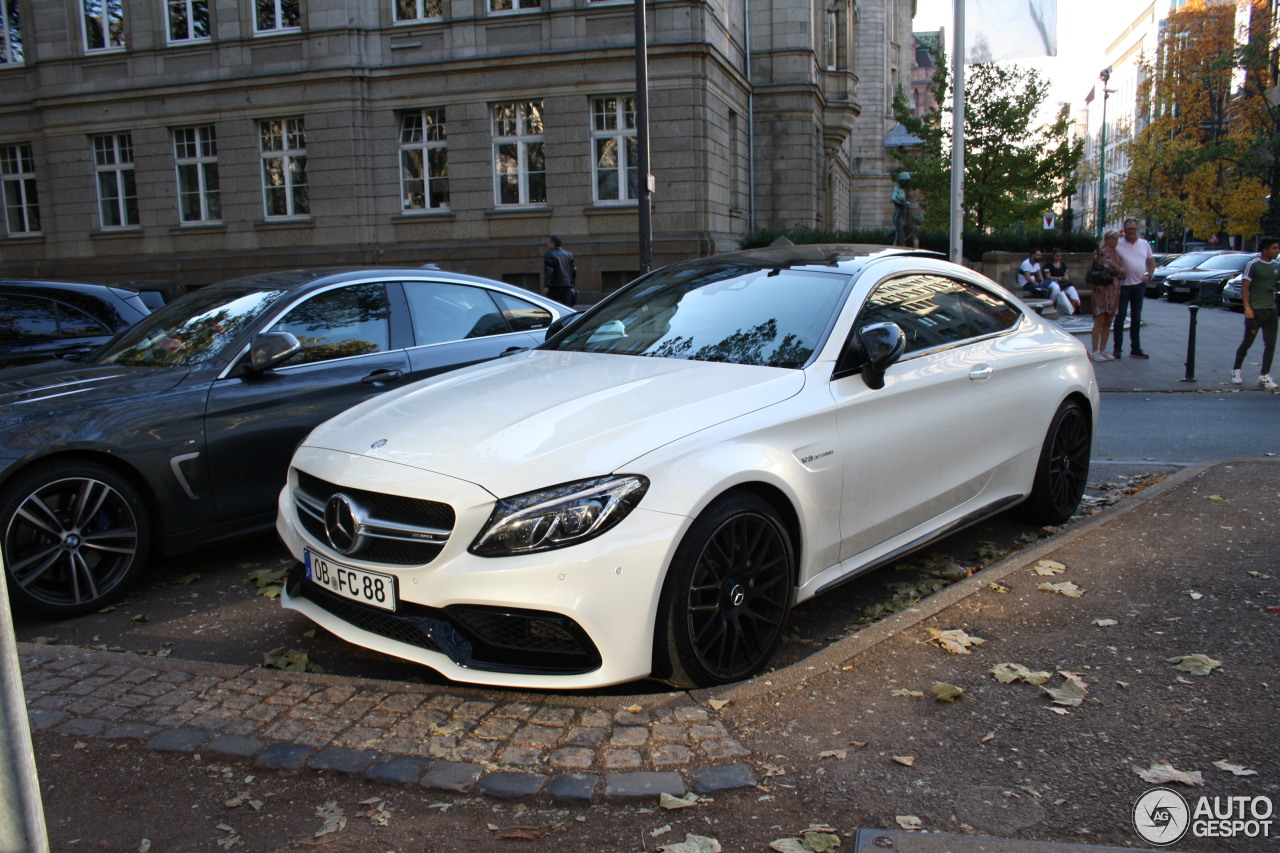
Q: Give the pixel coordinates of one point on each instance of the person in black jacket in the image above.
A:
(561, 273)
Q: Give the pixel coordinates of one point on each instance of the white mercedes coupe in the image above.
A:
(650, 491)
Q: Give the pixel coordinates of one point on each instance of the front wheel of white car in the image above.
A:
(727, 595)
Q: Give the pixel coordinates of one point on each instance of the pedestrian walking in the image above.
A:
(561, 273)
(1104, 278)
(1139, 264)
(1258, 292)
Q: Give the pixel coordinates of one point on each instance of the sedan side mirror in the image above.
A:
(882, 344)
(268, 349)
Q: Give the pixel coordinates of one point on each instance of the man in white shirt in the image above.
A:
(1139, 264)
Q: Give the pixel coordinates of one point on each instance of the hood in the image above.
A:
(544, 417)
(1202, 275)
(35, 390)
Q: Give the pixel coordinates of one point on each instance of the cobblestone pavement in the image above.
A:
(564, 748)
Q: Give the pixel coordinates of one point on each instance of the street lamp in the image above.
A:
(1104, 76)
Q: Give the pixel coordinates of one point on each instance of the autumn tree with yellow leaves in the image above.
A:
(1202, 158)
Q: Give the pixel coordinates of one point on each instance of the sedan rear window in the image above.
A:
(735, 314)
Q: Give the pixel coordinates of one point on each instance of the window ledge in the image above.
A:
(24, 237)
(531, 211)
(196, 227)
(116, 233)
(431, 213)
(628, 206)
(283, 223)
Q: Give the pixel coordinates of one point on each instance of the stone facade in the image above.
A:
(742, 133)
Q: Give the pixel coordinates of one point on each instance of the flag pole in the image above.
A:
(957, 135)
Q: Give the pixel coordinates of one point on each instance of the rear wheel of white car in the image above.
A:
(75, 537)
(727, 596)
(1063, 471)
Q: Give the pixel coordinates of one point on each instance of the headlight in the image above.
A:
(559, 516)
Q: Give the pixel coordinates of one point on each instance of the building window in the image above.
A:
(417, 10)
(274, 16)
(117, 192)
(188, 20)
(424, 161)
(520, 172)
(195, 153)
(831, 40)
(18, 175)
(513, 5)
(103, 24)
(10, 33)
(284, 168)
(613, 137)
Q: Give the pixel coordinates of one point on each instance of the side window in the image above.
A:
(74, 323)
(936, 311)
(340, 323)
(452, 312)
(523, 316)
(24, 319)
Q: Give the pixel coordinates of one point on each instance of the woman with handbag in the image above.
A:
(1104, 277)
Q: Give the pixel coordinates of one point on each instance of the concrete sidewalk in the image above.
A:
(1165, 334)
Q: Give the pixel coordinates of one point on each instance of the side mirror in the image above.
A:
(882, 344)
(268, 349)
(561, 323)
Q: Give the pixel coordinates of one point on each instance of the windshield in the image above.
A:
(191, 330)
(1226, 262)
(738, 314)
(1189, 260)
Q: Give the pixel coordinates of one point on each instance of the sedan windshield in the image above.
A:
(191, 330)
(1189, 260)
(736, 314)
(1226, 262)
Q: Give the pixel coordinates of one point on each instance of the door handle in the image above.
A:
(380, 376)
(981, 372)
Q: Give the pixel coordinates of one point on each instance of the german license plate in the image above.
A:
(366, 587)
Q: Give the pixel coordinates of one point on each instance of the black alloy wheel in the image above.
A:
(75, 538)
(1063, 471)
(727, 595)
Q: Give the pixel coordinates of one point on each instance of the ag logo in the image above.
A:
(1161, 816)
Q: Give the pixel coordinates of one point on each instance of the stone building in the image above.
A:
(195, 140)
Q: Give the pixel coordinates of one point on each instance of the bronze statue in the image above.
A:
(905, 225)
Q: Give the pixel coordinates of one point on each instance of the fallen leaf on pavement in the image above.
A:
(990, 736)
(693, 844)
(1105, 623)
(1195, 664)
(905, 760)
(717, 704)
(1195, 596)
(909, 822)
(953, 640)
(1060, 711)
(670, 801)
(1235, 769)
(290, 660)
(1071, 693)
(902, 691)
(1049, 567)
(1216, 498)
(1008, 673)
(833, 753)
(1161, 772)
(334, 819)
(634, 709)
(522, 833)
(1066, 588)
(943, 692)
(998, 587)
(1259, 575)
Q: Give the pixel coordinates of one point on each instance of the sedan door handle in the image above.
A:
(380, 376)
(981, 372)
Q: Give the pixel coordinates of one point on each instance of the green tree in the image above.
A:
(1204, 153)
(1014, 167)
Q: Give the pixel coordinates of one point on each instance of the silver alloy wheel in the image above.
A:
(71, 543)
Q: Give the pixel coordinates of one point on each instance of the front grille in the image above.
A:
(404, 531)
(485, 638)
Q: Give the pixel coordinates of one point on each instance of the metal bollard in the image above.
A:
(1191, 346)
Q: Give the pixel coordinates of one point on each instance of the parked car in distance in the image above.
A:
(650, 491)
(1206, 279)
(1231, 296)
(40, 320)
(178, 433)
(155, 292)
(1177, 263)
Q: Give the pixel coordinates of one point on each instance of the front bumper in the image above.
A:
(577, 617)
